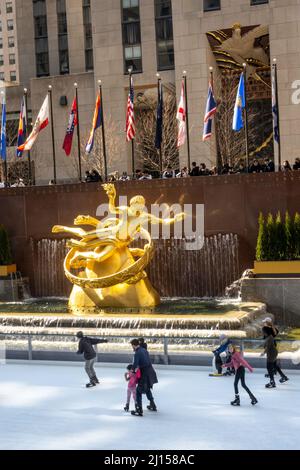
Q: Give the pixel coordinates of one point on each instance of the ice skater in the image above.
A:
(270, 349)
(132, 379)
(239, 364)
(142, 343)
(85, 347)
(147, 379)
(270, 329)
(217, 360)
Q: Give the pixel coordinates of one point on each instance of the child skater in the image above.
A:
(132, 379)
(270, 349)
(217, 360)
(239, 364)
(269, 332)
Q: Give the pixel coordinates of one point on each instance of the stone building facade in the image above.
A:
(9, 67)
(65, 41)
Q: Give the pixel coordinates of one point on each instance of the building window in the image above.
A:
(9, 7)
(258, 2)
(211, 5)
(1, 43)
(13, 76)
(1, 60)
(0, 25)
(10, 25)
(164, 34)
(88, 35)
(41, 38)
(1, 75)
(131, 29)
(62, 27)
(11, 41)
(12, 59)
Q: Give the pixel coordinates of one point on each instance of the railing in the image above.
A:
(255, 343)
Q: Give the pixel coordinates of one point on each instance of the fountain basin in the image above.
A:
(173, 318)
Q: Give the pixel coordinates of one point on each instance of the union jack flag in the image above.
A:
(130, 124)
(210, 111)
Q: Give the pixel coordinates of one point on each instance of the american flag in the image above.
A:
(181, 118)
(130, 124)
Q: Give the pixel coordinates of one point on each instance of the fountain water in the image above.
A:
(176, 271)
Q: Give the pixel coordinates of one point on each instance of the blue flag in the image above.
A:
(3, 131)
(240, 104)
(159, 118)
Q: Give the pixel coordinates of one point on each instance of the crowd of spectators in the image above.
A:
(256, 166)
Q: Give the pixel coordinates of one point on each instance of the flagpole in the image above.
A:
(132, 140)
(277, 106)
(78, 132)
(103, 130)
(159, 150)
(211, 70)
(246, 117)
(52, 133)
(187, 118)
(5, 160)
(26, 135)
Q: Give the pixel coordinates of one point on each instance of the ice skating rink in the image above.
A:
(45, 406)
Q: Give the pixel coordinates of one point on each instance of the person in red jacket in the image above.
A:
(239, 364)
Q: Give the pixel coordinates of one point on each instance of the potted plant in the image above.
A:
(278, 245)
(6, 264)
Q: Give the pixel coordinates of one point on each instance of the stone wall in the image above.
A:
(231, 205)
(281, 295)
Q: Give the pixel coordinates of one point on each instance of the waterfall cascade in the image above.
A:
(174, 270)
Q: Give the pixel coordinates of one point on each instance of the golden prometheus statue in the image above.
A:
(105, 270)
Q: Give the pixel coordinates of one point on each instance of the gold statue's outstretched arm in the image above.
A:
(87, 220)
(168, 221)
(79, 232)
(110, 190)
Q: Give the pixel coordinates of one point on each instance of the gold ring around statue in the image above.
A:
(131, 275)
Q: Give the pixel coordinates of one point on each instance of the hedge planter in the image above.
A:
(7, 269)
(277, 267)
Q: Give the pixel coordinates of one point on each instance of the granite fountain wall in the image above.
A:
(231, 206)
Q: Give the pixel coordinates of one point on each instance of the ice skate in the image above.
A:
(253, 401)
(236, 401)
(283, 379)
(96, 380)
(152, 406)
(271, 385)
(90, 384)
(126, 407)
(138, 411)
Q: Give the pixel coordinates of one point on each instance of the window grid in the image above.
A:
(131, 33)
(164, 35)
(211, 5)
(63, 48)
(88, 35)
(41, 38)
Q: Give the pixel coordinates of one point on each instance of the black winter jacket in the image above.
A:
(85, 347)
(148, 375)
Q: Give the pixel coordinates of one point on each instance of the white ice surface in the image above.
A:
(48, 407)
